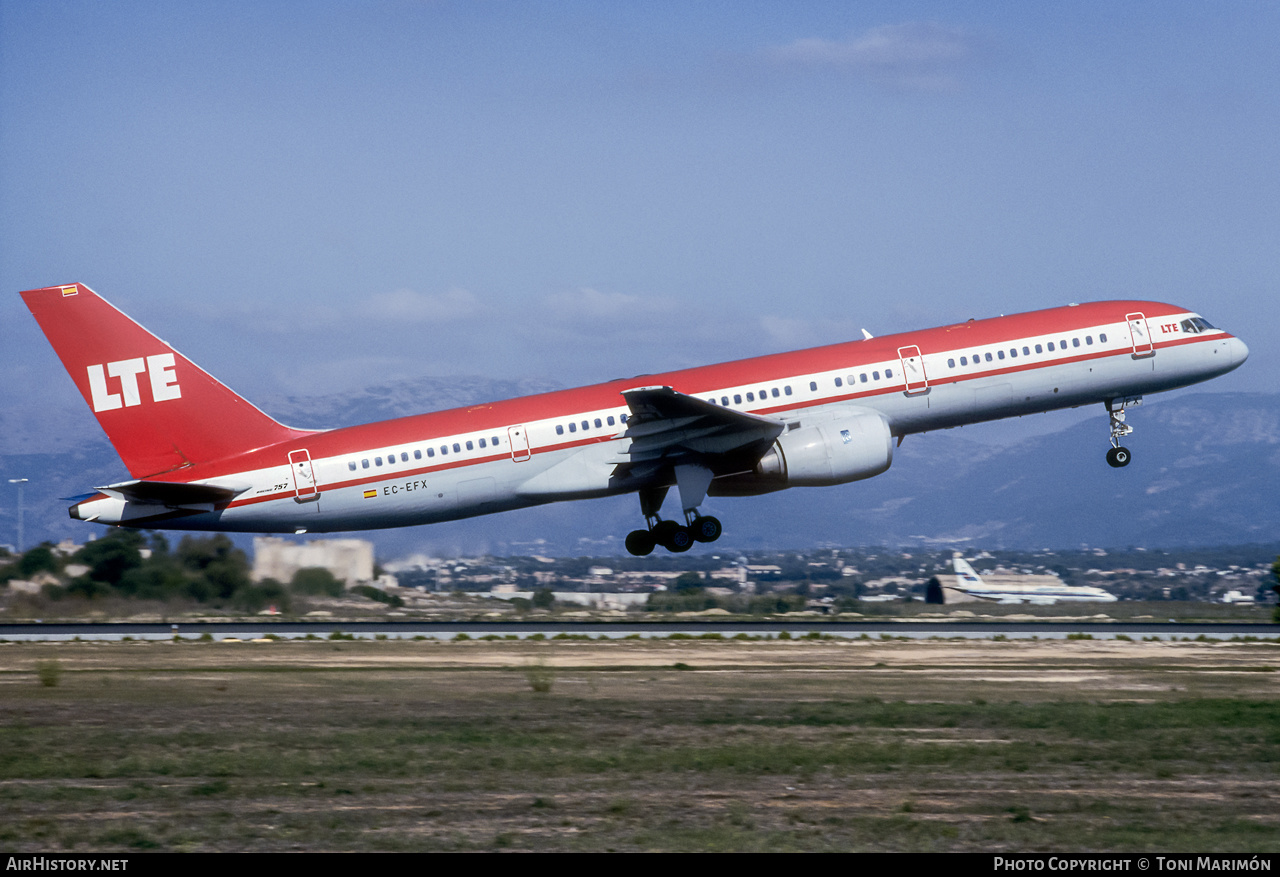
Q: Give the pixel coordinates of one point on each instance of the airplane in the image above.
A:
(969, 582)
(203, 458)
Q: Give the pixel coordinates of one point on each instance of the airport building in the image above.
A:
(350, 560)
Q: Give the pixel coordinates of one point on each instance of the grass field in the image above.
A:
(640, 745)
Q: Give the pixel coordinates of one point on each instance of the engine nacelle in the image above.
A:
(842, 447)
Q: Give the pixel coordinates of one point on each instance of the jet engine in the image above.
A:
(827, 449)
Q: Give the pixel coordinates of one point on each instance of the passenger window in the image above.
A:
(875, 376)
(999, 354)
(1026, 351)
(737, 398)
(494, 440)
(724, 400)
(1103, 337)
(1051, 347)
(863, 377)
(352, 465)
(456, 449)
(1040, 349)
(471, 446)
(609, 420)
(813, 386)
(839, 383)
(585, 425)
(951, 363)
(482, 443)
(559, 429)
(888, 373)
(1013, 353)
(787, 389)
(573, 427)
(444, 450)
(404, 456)
(964, 360)
(776, 394)
(377, 461)
(988, 357)
(431, 452)
(1075, 342)
(417, 454)
(1088, 339)
(623, 417)
(598, 423)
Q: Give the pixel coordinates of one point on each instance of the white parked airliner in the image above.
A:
(203, 458)
(969, 582)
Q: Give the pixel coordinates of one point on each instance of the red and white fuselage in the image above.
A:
(202, 458)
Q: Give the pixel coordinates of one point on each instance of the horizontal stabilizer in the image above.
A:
(171, 493)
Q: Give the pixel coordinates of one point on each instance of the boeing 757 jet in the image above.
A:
(203, 458)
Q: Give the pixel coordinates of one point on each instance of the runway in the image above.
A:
(446, 630)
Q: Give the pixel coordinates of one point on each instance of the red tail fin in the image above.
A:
(160, 410)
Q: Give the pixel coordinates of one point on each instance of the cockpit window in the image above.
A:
(1196, 325)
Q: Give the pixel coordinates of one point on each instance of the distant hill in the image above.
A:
(1205, 471)
(400, 399)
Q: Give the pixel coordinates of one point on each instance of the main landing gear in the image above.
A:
(1119, 457)
(672, 535)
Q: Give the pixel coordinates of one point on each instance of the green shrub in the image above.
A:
(540, 676)
(49, 673)
(378, 595)
(315, 582)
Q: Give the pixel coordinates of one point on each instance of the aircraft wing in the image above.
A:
(668, 428)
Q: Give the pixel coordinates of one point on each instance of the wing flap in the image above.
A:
(667, 428)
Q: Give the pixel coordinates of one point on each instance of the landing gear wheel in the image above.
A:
(1118, 457)
(706, 529)
(678, 539)
(640, 542)
(662, 531)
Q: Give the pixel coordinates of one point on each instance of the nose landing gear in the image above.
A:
(1118, 457)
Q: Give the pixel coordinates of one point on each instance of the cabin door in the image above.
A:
(913, 374)
(1140, 335)
(304, 477)
(519, 444)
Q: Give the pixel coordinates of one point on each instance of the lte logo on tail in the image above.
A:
(164, 383)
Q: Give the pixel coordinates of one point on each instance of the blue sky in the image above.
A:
(312, 197)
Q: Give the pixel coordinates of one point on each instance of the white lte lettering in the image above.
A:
(164, 383)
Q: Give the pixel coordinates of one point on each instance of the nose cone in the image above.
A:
(1238, 352)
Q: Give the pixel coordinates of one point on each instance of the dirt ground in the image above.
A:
(640, 745)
